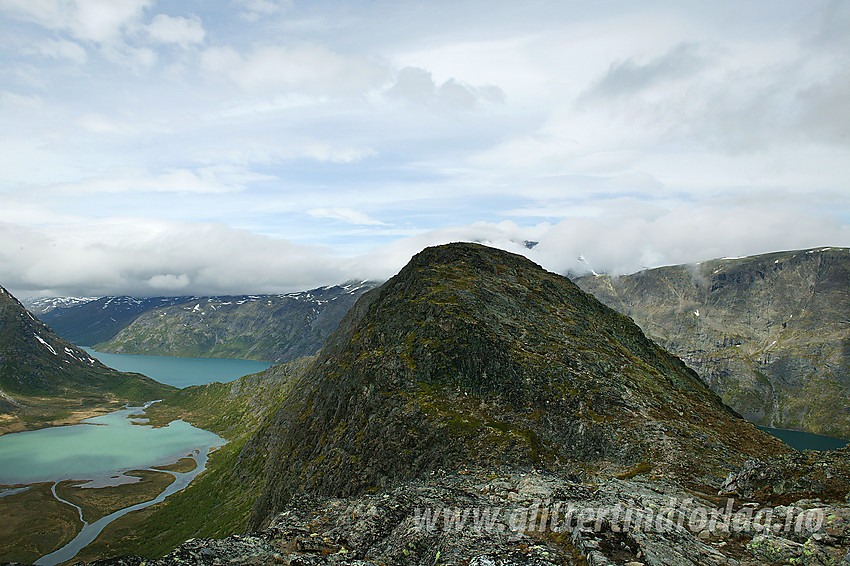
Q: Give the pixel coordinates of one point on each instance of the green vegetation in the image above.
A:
(99, 502)
(181, 466)
(219, 500)
(34, 524)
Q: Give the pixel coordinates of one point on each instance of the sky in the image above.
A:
(152, 147)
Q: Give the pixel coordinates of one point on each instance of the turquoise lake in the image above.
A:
(806, 440)
(98, 449)
(101, 449)
(181, 372)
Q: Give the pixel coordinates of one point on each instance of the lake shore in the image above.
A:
(64, 506)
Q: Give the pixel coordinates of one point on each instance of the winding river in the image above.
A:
(99, 451)
(90, 531)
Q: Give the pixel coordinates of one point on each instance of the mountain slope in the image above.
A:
(274, 328)
(219, 501)
(475, 357)
(769, 333)
(89, 322)
(46, 380)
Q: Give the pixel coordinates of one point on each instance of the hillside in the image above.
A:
(86, 322)
(219, 501)
(273, 328)
(475, 357)
(45, 380)
(770, 333)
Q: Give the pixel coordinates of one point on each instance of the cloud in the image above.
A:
(305, 68)
(416, 86)
(169, 282)
(63, 49)
(147, 258)
(199, 181)
(143, 257)
(179, 30)
(825, 114)
(627, 78)
(346, 215)
(98, 21)
(253, 10)
(631, 236)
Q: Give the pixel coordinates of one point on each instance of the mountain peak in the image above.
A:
(477, 255)
(472, 356)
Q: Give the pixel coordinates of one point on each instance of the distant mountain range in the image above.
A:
(769, 333)
(273, 328)
(89, 321)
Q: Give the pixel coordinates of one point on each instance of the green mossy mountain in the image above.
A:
(46, 380)
(475, 357)
(769, 333)
(272, 328)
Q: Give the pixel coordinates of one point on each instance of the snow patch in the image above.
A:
(49, 347)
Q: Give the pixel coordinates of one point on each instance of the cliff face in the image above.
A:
(770, 334)
(474, 357)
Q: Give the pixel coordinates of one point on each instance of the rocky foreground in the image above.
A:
(508, 517)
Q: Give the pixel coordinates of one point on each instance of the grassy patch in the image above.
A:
(34, 524)
(216, 504)
(99, 502)
(182, 466)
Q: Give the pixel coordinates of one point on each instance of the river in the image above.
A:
(101, 450)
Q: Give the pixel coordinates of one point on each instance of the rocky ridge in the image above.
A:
(512, 518)
(472, 356)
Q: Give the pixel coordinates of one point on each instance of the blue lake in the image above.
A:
(181, 372)
(806, 440)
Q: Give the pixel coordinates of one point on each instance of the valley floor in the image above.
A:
(36, 523)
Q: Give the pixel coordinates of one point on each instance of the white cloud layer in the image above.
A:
(257, 145)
